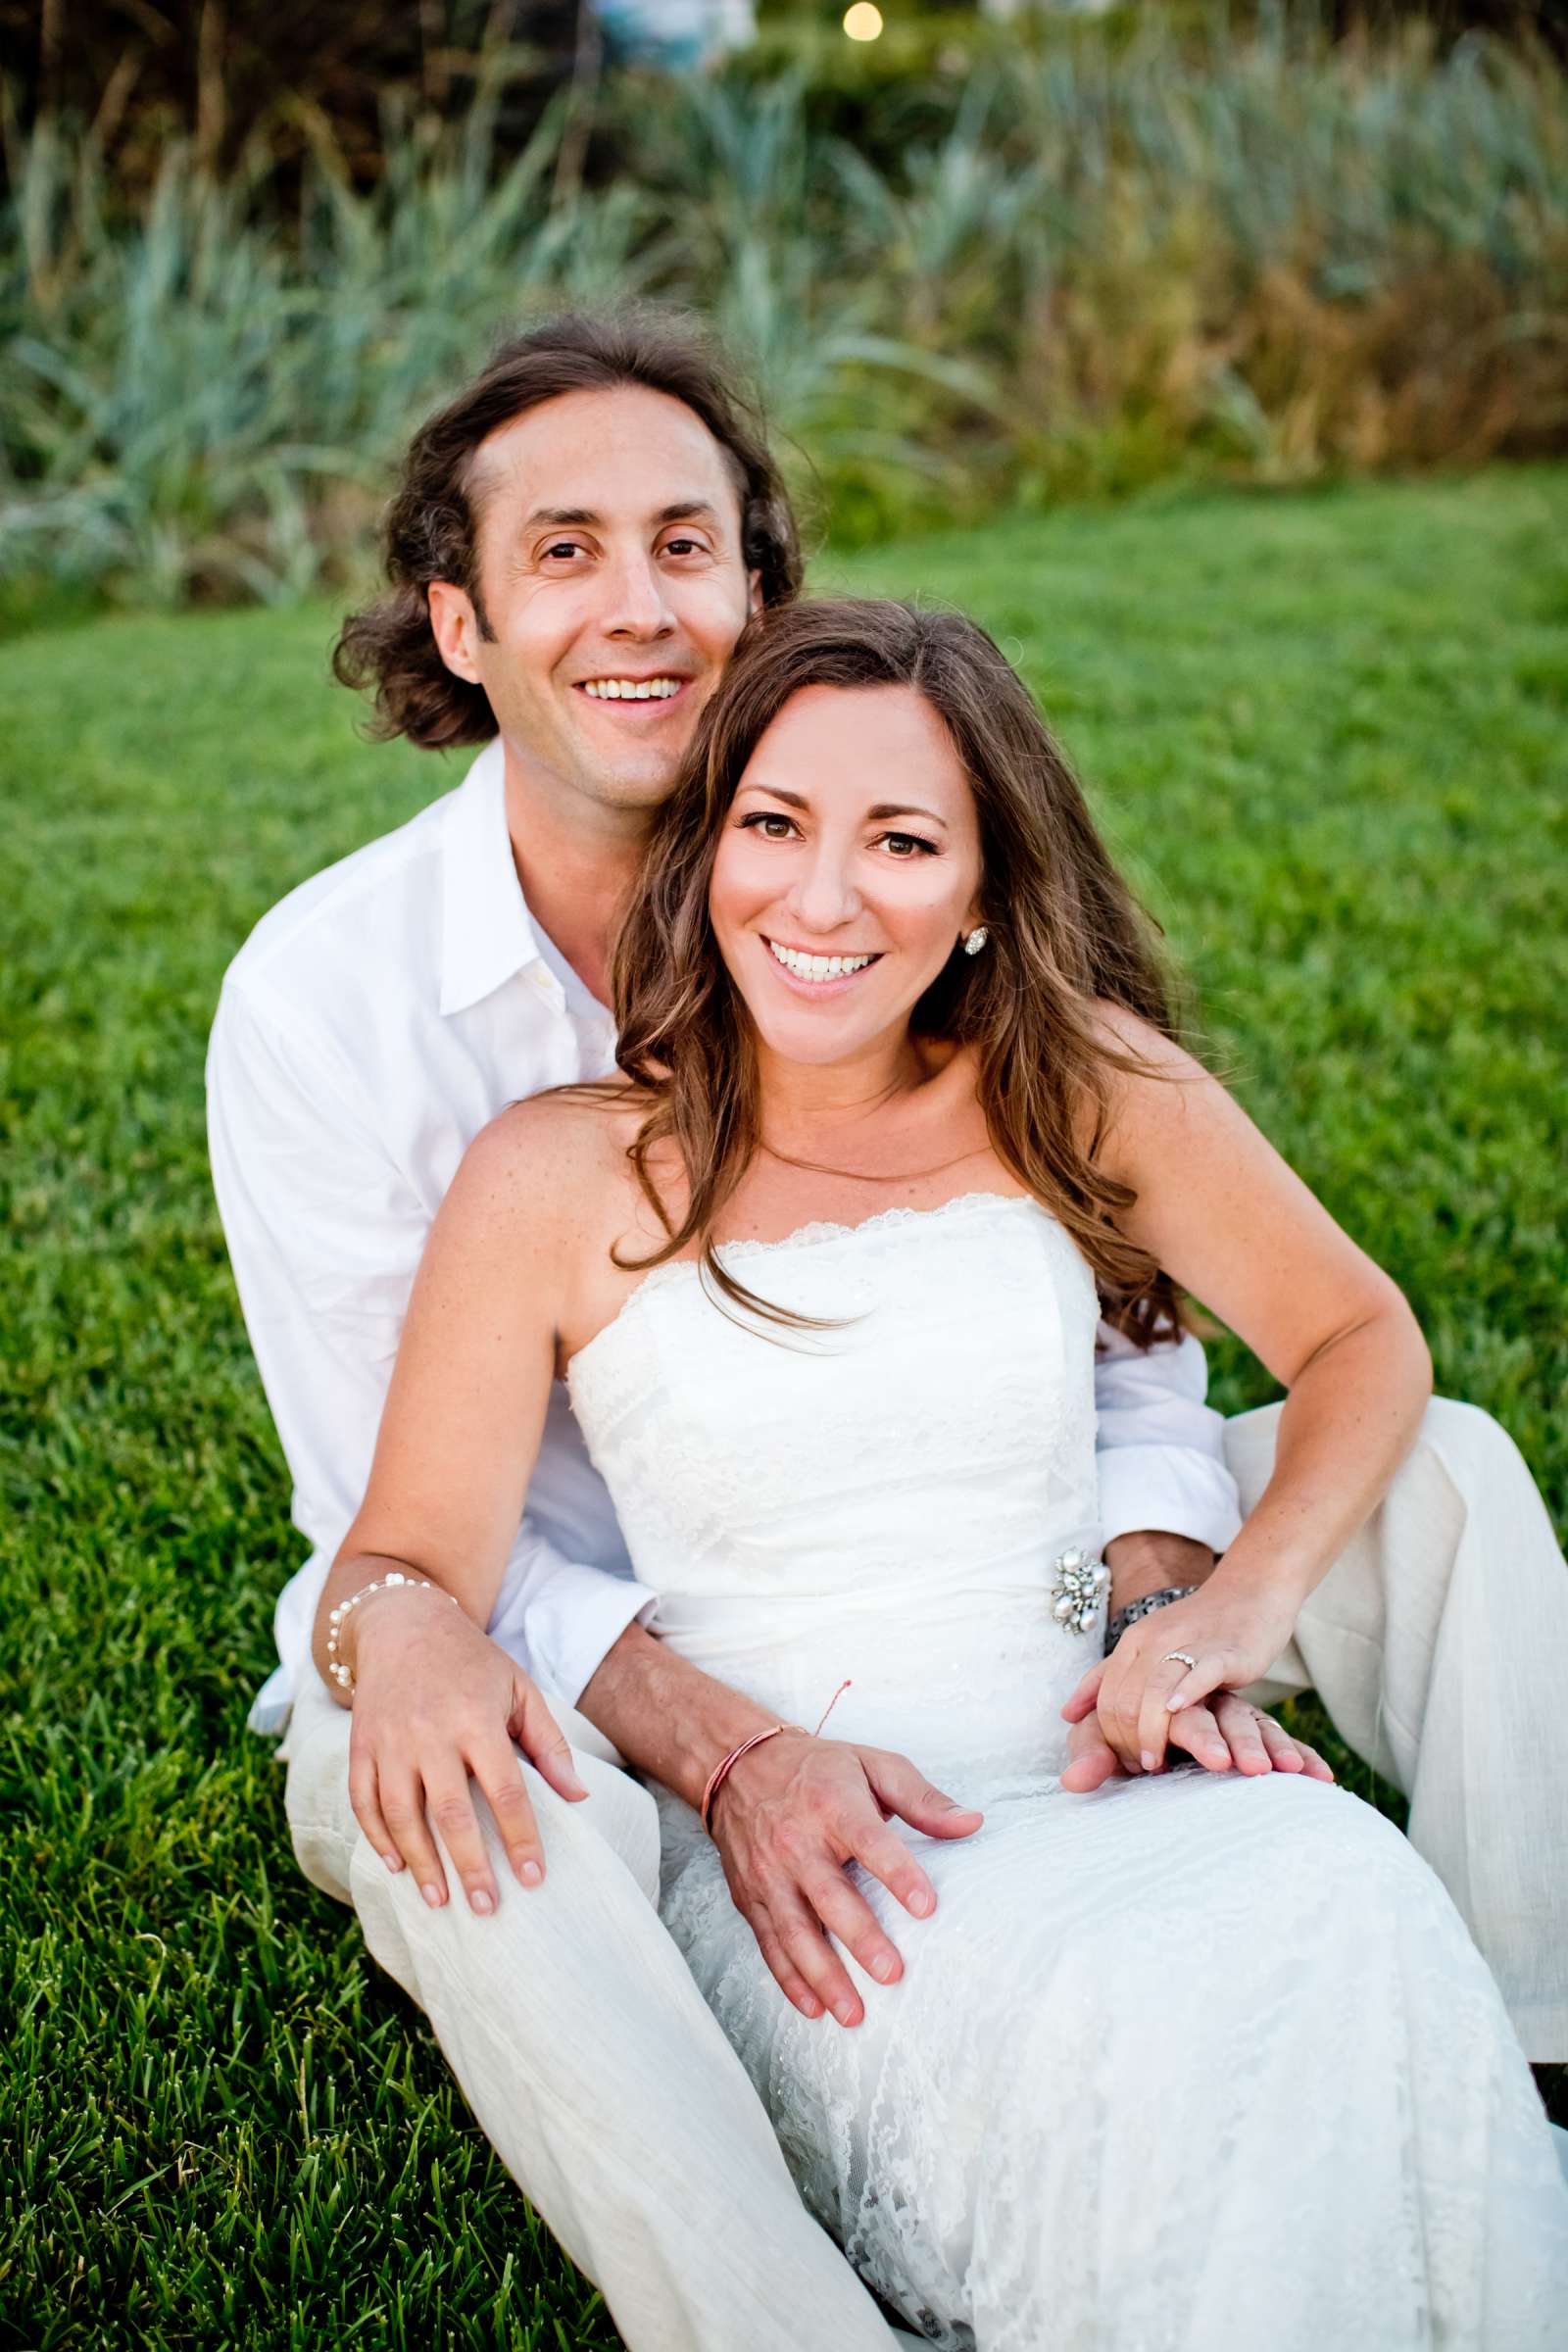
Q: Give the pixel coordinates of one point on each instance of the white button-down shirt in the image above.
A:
(371, 1025)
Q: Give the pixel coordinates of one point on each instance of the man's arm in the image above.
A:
(1168, 1505)
(324, 1234)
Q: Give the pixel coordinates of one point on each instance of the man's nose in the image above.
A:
(636, 604)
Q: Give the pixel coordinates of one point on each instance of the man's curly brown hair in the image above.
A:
(431, 530)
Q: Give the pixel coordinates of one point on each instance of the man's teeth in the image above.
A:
(818, 967)
(631, 690)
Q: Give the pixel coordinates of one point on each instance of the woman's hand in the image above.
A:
(434, 1700)
(1233, 1638)
(1229, 1734)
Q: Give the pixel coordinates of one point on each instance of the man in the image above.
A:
(579, 539)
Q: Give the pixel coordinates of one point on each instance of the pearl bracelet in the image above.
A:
(343, 1674)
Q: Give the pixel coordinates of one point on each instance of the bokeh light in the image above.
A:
(862, 21)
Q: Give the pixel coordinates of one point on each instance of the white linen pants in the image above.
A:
(591, 2061)
(1439, 1644)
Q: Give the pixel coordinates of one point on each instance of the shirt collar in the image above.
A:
(486, 935)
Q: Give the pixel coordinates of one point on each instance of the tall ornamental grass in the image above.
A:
(1092, 266)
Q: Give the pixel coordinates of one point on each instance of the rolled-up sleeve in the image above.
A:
(1160, 1445)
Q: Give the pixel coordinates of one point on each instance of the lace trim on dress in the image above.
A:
(805, 1236)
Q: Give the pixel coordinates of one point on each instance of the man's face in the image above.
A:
(612, 578)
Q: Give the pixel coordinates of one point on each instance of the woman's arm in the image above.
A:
(1221, 1211)
(435, 1697)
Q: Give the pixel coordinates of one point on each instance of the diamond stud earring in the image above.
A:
(977, 940)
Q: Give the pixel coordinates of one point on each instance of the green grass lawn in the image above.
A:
(1330, 735)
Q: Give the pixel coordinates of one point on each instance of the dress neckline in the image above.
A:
(803, 1237)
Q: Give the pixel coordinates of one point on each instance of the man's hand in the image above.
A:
(434, 1700)
(1228, 1734)
(788, 1819)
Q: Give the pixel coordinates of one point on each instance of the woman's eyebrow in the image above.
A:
(777, 792)
(883, 809)
(886, 808)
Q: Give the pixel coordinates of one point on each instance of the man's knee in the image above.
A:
(535, 1939)
(321, 1820)
(1472, 1446)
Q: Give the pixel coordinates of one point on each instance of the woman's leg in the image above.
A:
(1439, 1644)
(592, 2064)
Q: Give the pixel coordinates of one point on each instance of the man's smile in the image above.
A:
(662, 688)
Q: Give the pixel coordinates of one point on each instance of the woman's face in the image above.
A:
(848, 868)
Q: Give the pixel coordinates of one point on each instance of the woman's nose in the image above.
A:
(824, 895)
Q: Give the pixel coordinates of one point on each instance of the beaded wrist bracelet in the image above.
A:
(343, 1674)
(1143, 1608)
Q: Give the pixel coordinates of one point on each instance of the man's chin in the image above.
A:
(640, 784)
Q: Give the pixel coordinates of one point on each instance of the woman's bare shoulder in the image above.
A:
(1131, 1040)
(554, 1157)
(1150, 1088)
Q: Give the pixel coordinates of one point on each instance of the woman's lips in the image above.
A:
(809, 971)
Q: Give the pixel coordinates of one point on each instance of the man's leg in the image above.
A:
(1439, 1644)
(592, 2062)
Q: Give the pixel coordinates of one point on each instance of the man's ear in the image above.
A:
(454, 626)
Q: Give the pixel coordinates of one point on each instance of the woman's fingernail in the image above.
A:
(920, 1903)
(882, 1967)
(393, 1861)
(432, 1896)
(1148, 1760)
(845, 2012)
(810, 2007)
(482, 1903)
(531, 1875)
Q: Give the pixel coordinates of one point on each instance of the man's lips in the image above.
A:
(639, 706)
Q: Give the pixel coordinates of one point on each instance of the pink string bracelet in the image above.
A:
(721, 1770)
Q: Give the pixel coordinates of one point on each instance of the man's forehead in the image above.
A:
(622, 454)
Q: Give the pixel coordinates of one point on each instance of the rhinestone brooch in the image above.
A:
(1079, 1589)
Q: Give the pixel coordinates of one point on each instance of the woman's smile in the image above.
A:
(819, 971)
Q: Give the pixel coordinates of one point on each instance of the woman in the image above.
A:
(900, 1104)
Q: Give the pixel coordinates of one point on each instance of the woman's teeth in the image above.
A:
(631, 690)
(817, 967)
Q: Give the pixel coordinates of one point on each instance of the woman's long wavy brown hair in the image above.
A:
(1064, 931)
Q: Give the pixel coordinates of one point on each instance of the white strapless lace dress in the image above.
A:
(1190, 2061)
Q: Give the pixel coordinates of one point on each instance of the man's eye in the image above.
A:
(563, 547)
(684, 547)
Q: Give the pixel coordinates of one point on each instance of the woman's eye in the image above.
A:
(769, 824)
(907, 845)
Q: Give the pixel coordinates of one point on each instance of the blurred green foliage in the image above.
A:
(1063, 268)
